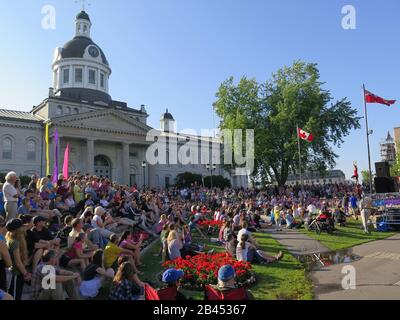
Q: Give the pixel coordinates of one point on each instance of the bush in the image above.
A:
(24, 179)
(187, 179)
(217, 182)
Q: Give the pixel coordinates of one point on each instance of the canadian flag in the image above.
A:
(305, 135)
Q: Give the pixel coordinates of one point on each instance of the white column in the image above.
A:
(125, 163)
(90, 156)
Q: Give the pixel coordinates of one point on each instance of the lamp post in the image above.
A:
(144, 165)
(211, 168)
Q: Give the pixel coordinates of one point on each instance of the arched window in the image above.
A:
(68, 110)
(7, 149)
(59, 111)
(31, 150)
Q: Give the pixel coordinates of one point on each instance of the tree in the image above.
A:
(395, 168)
(187, 179)
(293, 97)
(217, 182)
(365, 176)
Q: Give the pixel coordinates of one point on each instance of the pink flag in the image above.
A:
(66, 161)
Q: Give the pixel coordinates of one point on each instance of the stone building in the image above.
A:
(106, 137)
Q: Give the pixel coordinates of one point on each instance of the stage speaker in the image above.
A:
(384, 185)
(382, 169)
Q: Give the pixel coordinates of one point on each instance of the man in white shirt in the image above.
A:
(10, 195)
(245, 231)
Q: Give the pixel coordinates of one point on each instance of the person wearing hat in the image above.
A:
(39, 238)
(171, 278)
(18, 250)
(226, 282)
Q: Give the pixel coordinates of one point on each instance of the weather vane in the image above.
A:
(84, 3)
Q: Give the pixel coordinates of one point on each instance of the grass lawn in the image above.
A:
(286, 279)
(347, 237)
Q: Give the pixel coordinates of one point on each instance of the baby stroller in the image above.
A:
(323, 222)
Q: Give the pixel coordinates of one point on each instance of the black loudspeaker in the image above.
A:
(384, 185)
(382, 169)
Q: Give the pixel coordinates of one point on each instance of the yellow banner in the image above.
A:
(47, 150)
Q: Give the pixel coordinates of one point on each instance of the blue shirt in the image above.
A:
(2, 238)
(353, 202)
(1, 202)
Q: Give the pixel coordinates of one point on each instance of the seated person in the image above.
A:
(194, 225)
(65, 280)
(231, 244)
(77, 228)
(95, 276)
(291, 223)
(226, 288)
(127, 242)
(126, 284)
(39, 238)
(247, 251)
(112, 252)
(75, 255)
(171, 278)
(65, 230)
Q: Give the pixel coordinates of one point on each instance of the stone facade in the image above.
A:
(106, 137)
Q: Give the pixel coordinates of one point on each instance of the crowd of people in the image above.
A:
(91, 231)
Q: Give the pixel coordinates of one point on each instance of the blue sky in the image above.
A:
(175, 53)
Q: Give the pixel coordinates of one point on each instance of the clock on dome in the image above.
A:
(93, 51)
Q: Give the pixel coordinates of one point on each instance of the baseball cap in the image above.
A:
(172, 275)
(226, 272)
(38, 219)
(14, 224)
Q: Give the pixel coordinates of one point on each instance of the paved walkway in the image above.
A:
(377, 273)
(296, 242)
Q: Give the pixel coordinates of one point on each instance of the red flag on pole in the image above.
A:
(305, 135)
(66, 161)
(372, 98)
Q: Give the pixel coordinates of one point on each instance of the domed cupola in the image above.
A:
(80, 68)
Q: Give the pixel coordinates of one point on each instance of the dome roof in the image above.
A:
(82, 15)
(167, 116)
(76, 47)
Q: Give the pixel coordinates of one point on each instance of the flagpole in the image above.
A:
(367, 131)
(301, 175)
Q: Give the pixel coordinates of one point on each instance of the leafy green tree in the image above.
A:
(395, 168)
(187, 179)
(294, 96)
(217, 182)
(365, 176)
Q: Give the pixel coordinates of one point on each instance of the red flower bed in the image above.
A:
(211, 223)
(203, 269)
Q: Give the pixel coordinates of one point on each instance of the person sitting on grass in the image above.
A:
(175, 245)
(171, 278)
(65, 280)
(126, 284)
(95, 276)
(39, 238)
(194, 225)
(112, 252)
(126, 242)
(226, 288)
(247, 251)
(75, 255)
(291, 223)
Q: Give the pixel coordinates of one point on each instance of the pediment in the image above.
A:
(109, 120)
